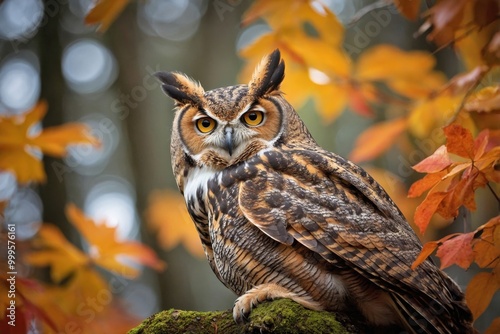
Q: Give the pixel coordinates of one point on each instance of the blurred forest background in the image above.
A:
(115, 179)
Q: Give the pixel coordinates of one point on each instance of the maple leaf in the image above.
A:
(167, 214)
(457, 250)
(105, 12)
(21, 144)
(452, 183)
(56, 252)
(108, 252)
(377, 139)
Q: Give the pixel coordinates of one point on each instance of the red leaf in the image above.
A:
(459, 141)
(457, 250)
(438, 161)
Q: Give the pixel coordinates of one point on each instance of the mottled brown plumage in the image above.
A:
(280, 217)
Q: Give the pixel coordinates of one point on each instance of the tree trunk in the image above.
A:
(279, 316)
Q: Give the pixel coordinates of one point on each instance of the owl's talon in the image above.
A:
(242, 308)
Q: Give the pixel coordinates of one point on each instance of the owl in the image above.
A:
(280, 217)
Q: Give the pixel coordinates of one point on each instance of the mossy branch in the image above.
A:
(279, 316)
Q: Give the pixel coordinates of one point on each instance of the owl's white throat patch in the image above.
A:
(197, 178)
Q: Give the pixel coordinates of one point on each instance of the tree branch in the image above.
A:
(279, 316)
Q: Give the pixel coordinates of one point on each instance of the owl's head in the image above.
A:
(224, 126)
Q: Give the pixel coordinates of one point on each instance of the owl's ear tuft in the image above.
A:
(268, 75)
(181, 88)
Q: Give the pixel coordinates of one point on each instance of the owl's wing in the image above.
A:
(336, 209)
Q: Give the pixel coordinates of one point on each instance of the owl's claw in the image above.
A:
(242, 308)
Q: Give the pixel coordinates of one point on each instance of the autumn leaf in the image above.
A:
(105, 12)
(21, 144)
(426, 251)
(377, 139)
(427, 208)
(56, 252)
(108, 252)
(480, 291)
(452, 183)
(409, 73)
(435, 112)
(487, 247)
(167, 214)
(457, 250)
(438, 161)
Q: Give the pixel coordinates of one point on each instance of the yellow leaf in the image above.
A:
(107, 251)
(21, 146)
(376, 139)
(406, 72)
(433, 113)
(480, 291)
(105, 12)
(167, 214)
(56, 252)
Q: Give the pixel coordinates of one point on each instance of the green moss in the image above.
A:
(279, 316)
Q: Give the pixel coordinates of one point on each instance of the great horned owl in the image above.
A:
(280, 217)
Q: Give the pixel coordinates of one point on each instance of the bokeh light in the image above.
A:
(19, 83)
(88, 66)
(19, 19)
(87, 159)
(25, 211)
(174, 20)
(112, 200)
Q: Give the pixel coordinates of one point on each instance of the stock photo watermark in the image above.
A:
(11, 274)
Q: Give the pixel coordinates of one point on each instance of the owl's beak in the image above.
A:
(229, 144)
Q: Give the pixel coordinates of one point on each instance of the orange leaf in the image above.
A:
(426, 183)
(21, 146)
(105, 12)
(408, 8)
(55, 140)
(427, 208)
(459, 141)
(438, 161)
(480, 291)
(487, 247)
(376, 139)
(107, 251)
(457, 250)
(494, 327)
(426, 251)
(167, 214)
(57, 252)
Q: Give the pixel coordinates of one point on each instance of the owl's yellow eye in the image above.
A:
(253, 117)
(205, 124)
